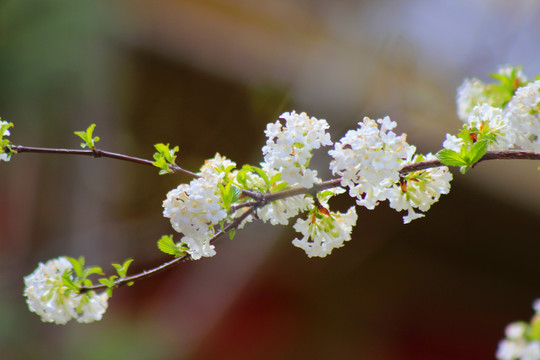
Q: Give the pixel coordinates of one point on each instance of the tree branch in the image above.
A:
(146, 274)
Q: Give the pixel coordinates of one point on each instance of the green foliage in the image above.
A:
(87, 137)
(167, 245)
(229, 195)
(78, 277)
(165, 158)
(501, 92)
(122, 269)
(109, 283)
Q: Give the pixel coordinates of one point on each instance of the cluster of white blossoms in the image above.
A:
(48, 296)
(288, 148)
(4, 131)
(523, 113)
(194, 208)
(280, 211)
(522, 340)
(484, 115)
(419, 189)
(368, 160)
(324, 230)
(474, 91)
(510, 110)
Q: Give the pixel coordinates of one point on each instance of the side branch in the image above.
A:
(145, 274)
(96, 153)
(490, 155)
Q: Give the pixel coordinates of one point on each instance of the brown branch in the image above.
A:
(146, 274)
(97, 153)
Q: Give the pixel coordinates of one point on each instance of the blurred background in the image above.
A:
(208, 75)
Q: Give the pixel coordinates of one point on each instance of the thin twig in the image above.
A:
(146, 274)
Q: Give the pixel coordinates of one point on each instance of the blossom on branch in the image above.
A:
(49, 295)
(194, 209)
(288, 148)
(419, 189)
(368, 160)
(324, 230)
(523, 113)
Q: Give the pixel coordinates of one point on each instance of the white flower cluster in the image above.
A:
(520, 344)
(368, 160)
(48, 296)
(325, 230)
(474, 91)
(523, 113)
(499, 126)
(288, 148)
(4, 126)
(194, 208)
(469, 94)
(515, 124)
(420, 189)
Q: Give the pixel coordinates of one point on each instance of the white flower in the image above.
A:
(509, 350)
(324, 232)
(48, 296)
(497, 122)
(194, 208)
(523, 114)
(199, 247)
(453, 143)
(280, 211)
(483, 115)
(369, 159)
(469, 94)
(473, 92)
(419, 189)
(531, 351)
(288, 148)
(516, 330)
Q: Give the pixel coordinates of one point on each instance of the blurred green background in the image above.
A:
(208, 75)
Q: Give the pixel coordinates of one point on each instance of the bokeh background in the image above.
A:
(208, 75)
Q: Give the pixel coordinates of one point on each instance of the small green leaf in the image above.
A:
(476, 152)
(167, 245)
(90, 271)
(232, 232)
(451, 158)
(122, 269)
(165, 158)
(77, 264)
(87, 137)
(68, 281)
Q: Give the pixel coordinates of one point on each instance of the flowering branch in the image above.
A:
(371, 162)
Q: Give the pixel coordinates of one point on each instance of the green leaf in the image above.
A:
(68, 281)
(165, 158)
(232, 233)
(87, 137)
(78, 265)
(476, 152)
(451, 158)
(122, 269)
(90, 271)
(167, 245)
